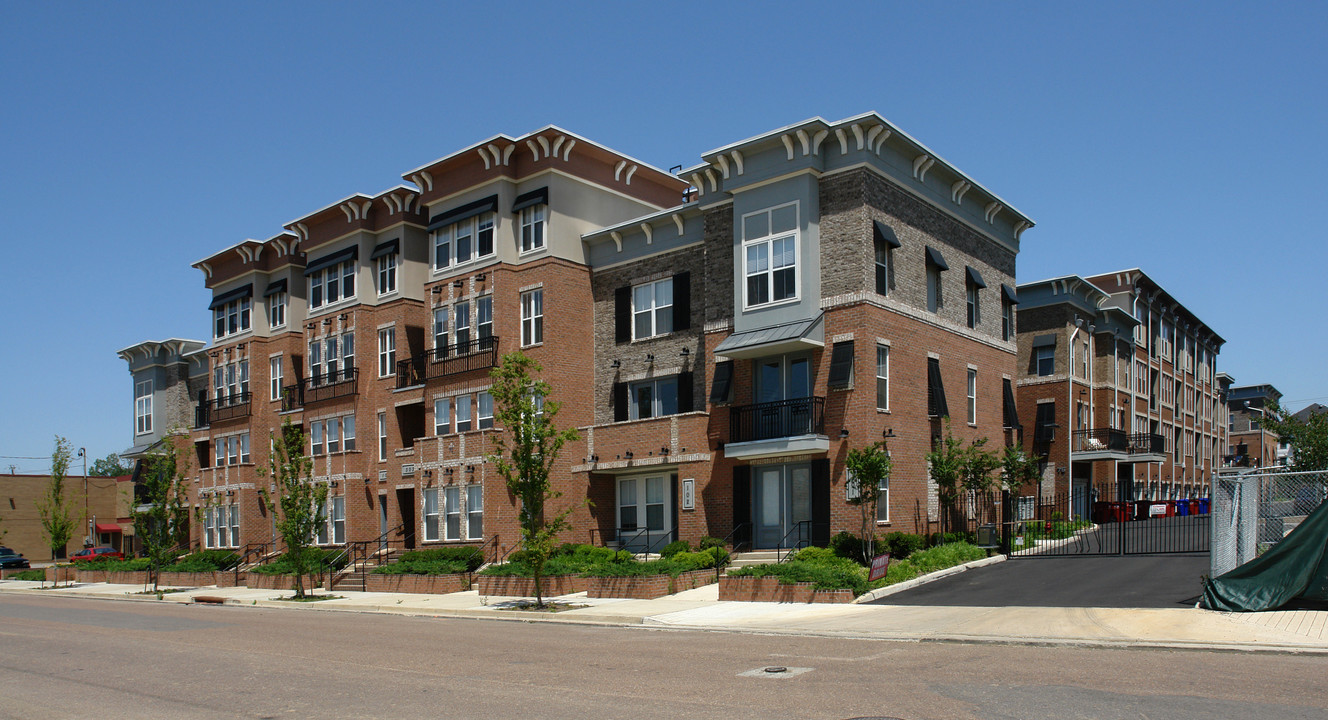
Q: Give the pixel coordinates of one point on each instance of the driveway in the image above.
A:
(1131, 581)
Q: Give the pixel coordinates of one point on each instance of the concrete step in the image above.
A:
(758, 557)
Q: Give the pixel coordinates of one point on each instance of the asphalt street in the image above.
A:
(74, 658)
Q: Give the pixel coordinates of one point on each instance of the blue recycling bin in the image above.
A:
(1182, 507)
(1203, 506)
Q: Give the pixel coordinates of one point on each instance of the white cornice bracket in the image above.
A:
(737, 160)
(207, 270)
(723, 163)
(696, 183)
(630, 172)
(993, 208)
(677, 220)
(484, 156)
(497, 156)
(714, 185)
(921, 164)
(617, 239)
(650, 233)
(958, 189)
(534, 151)
(617, 170)
(788, 144)
(843, 140)
(857, 134)
(1019, 228)
(544, 144)
(806, 141)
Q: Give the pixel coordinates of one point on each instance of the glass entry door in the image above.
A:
(783, 385)
(645, 520)
(781, 505)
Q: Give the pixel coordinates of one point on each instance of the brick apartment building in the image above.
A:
(100, 506)
(1250, 444)
(721, 338)
(1119, 383)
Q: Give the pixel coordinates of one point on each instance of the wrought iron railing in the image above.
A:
(739, 536)
(779, 419)
(454, 359)
(221, 409)
(326, 386)
(1141, 443)
(1101, 440)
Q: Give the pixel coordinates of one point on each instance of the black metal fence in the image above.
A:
(454, 359)
(778, 419)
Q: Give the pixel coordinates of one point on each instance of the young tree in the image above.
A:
(1018, 468)
(958, 469)
(109, 466)
(525, 452)
(1308, 438)
(867, 468)
(160, 521)
(57, 519)
(300, 504)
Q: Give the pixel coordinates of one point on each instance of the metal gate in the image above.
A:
(1253, 511)
(1038, 527)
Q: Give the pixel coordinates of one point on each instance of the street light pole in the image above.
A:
(83, 453)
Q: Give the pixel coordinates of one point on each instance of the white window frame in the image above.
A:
(882, 350)
(534, 228)
(484, 317)
(387, 352)
(463, 404)
(475, 511)
(451, 512)
(1007, 320)
(972, 396)
(652, 312)
(382, 437)
(532, 317)
(276, 310)
(767, 243)
(483, 411)
(473, 228)
(935, 290)
(461, 334)
(441, 316)
(428, 511)
(233, 318)
(1046, 352)
(657, 407)
(276, 375)
(973, 304)
(442, 416)
(143, 407)
(338, 276)
(387, 274)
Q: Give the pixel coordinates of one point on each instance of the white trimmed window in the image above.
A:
(231, 318)
(974, 306)
(332, 284)
(275, 376)
(209, 528)
(1007, 320)
(387, 274)
(143, 407)
(652, 309)
(324, 522)
(475, 512)
(235, 525)
(332, 435)
(382, 437)
(452, 512)
(484, 410)
(654, 398)
(1045, 359)
(430, 514)
(442, 416)
(332, 359)
(883, 501)
(463, 413)
(276, 310)
(484, 317)
(972, 396)
(339, 520)
(532, 227)
(770, 255)
(461, 326)
(882, 377)
(464, 241)
(387, 352)
(532, 317)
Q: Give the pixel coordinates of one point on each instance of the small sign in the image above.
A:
(688, 494)
(1156, 510)
(880, 565)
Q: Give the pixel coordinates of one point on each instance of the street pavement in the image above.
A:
(889, 617)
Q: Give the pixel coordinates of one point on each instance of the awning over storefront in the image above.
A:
(109, 528)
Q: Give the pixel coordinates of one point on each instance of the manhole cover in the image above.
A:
(775, 671)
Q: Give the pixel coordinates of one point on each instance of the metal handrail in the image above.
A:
(251, 550)
(503, 558)
(358, 551)
(740, 526)
(491, 541)
(803, 540)
(340, 383)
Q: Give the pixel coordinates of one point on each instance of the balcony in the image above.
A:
(781, 427)
(337, 384)
(1113, 444)
(454, 359)
(221, 409)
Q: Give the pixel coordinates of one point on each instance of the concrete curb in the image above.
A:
(879, 593)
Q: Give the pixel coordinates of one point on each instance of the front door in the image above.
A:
(406, 504)
(382, 522)
(645, 519)
(781, 505)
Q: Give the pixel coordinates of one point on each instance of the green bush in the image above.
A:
(709, 558)
(840, 574)
(710, 542)
(435, 561)
(204, 561)
(33, 574)
(831, 572)
(568, 560)
(674, 548)
(847, 545)
(130, 565)
(322, 559)
(902, 544)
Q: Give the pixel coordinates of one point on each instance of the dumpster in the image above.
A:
(1101, 512)
(1141, 509)
(1194, 506)
(1182, 507)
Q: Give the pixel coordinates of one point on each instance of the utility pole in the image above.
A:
(92, 522)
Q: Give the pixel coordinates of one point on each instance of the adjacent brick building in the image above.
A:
(721, 338)
(1250, 444)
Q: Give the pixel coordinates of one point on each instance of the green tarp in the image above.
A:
(1297, 567)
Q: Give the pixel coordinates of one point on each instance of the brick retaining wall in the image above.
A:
(647, 587)
(769, 589)
(430, 584)
(525, 587)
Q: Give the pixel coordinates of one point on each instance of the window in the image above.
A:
(276, 310)
(463, 241)
(382, 437)
(484, 320)
(882, 377)
(338, 520)
(387, 352)
(461, 326)
(532, 227)
(475, 512)
(442, 416)
(387, 273)
(275, 375)
(332, 284)
(883, 500)
(316, 438)
(532, 317)
(332, 359)
(244, 447)
(235, 525)
(770, 255)
(1045, 358)
(452, 512)
(334, 435)
(209, 531)
(884, 242)
(654, 398)
(348, 432)
(652, 309)
(1007, 320)
(231, 318)
(143, 407)
(972, 396)
(484, 410)
(974, 308)
(463, 414)
(1044, 425)
(430, 514)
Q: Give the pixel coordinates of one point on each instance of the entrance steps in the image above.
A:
(756, 557)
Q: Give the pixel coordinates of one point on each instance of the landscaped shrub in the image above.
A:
(321, 559)
(709, 542)
(435, 561)
(902, 544)
(847, 545)
(572, 561)
(708, 558)
(129, 565)
(674, 548)
(936, 539)
(204, 561)
(590, 561)
(831, 572)
(33, 574)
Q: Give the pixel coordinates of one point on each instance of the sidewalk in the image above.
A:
(1300, 631)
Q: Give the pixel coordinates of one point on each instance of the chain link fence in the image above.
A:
(1253, 511)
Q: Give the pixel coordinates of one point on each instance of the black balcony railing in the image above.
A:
(782, 418)
(454, 359)
(1112, 440)
(221, 409)
(324, 386)
(1141, 443)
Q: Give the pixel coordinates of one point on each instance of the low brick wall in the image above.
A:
(769, 589)
(647, 587)
(525, 587)
(61, 573)
(428, 584)
(278, 582)
(199, 579)
(8, 574)
(118, 577)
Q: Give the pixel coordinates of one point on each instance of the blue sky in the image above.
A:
(1183, 138)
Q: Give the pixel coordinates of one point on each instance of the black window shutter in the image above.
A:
(722, 382)
(841, 365)
(820, 529)
(936, 406)
(619, 402)
(673, 498)
(685, 403)
(622, 314)
(1011, 410)
(682, 301)
(742, 504)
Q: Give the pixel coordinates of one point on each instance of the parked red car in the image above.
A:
(97, 553)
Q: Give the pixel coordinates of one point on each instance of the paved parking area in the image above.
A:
(1132, 581)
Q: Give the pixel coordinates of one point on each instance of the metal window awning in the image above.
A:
(335, 258)
(465, 212)
(974, 276)
(387, 248)
(886, 234)
(1048, 340)
(243, 291)
(531, 199)
(275, 287)
(789, 337)
(1009, 294)
(935, 258)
